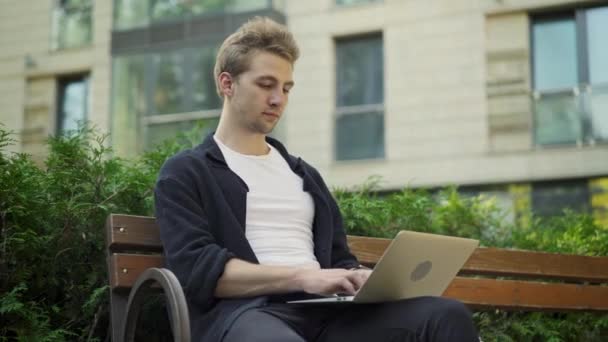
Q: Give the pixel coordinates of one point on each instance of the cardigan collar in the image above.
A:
(213, 152)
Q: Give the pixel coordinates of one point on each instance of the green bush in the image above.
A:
(54, 278)
(369, 213)
(53, 284)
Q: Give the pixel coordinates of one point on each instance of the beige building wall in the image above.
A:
(457, 89)
(29, 70)
(456, 79)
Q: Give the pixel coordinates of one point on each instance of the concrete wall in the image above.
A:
(456, 76)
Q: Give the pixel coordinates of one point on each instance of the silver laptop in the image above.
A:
(414, 264)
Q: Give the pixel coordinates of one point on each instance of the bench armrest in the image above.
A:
(177, 306)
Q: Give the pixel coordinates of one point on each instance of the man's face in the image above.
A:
(260, 94)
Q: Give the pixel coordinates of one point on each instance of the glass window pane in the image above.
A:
(558, 119)
(72, 24)
(207, 6)
(551, 198)
(168, 83)
(360, 71)
(599, 112)
(352, 2)
(555, 54)
(168, 9)
(247, 5)
(204, 95)
(72, 104)
(128, 103)
(157, 133)
(597, 28)
(130, 14)
(360, 136)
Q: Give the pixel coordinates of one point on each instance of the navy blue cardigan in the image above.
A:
(200, 207)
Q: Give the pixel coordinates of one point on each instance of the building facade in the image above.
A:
(508, 97)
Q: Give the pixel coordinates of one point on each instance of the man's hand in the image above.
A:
(332, 281)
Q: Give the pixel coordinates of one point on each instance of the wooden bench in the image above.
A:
(536, 281)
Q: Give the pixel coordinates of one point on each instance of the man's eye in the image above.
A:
(266, 86)
(286, 91)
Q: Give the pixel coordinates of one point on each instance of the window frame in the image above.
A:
(541, 190)
(341, 111)
(150, 20)
(151, 116)
(56, 15)
(363, 3)
(61, 85)
(583, 85)
(184, 33)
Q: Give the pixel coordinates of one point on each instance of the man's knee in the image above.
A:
(256, 326)
(450, 320)
(452, 309)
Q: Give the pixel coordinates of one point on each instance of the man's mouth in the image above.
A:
(273, 114)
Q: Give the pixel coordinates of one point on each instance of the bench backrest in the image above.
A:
(536, 280)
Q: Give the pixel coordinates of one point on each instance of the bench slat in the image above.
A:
(128, 232)
(477, 292)
(125, 268)
(527, 295)
(504, 262)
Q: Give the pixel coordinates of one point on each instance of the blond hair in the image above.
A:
(257, 34)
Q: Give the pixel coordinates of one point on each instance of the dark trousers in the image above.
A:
(418, 319)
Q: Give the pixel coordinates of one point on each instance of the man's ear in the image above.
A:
(226, 83)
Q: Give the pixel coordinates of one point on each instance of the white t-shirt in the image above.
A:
(279, 212)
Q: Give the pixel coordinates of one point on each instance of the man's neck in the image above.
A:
(241, 141)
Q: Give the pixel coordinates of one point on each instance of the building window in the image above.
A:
(353, 2)
(570, 86)
(72, 103)
(130, 14)
(163, 54)
(72, 24)
(552, 198)
(158, 94)
(359, 128)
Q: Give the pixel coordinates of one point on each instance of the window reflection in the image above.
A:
(247, 5)
(128, 103)
(359, 87)
(204, 95)
(73, 93)
(555, 70)
(599, 112)
(597, 27)
(551, 198)
(156, 95)
(168, 85)
(130, 13)
(558, 119)
(353, 2)
(571, 93)
(168, 9)
(72, 24)
(157, 133)
(360, 136)
(206, 6)
(359, 68)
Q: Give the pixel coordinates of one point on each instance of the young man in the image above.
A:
(246, 226)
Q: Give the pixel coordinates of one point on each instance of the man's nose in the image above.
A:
(277, 98)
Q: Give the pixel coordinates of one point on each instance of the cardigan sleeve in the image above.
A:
(190, 248)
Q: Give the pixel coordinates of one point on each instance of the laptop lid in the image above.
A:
(416, 264)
